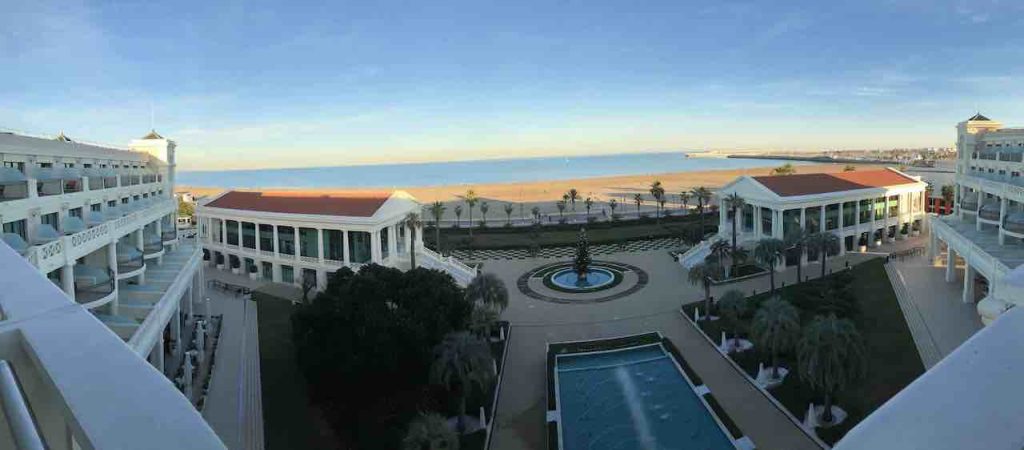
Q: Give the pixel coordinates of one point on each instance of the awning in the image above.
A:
(15, 241)
(90, 275)
(73, 225)
(46, 173)
(10, 175)
(45, 233)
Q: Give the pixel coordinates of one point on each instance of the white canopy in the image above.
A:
(44, 233)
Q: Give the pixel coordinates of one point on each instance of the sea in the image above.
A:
(468, 172)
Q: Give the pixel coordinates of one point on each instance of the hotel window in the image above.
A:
(849, 213)
(51, 219)
(286, 240)
(249, 235)
(75, 212)
(766, 221)
(309, 243)
(95, 207)
(832, 216)
(136, 197)
(748, 218)
(334, 245)
(812, 219)
(359, 247)
(111, 203)
(15, 165)
(217, 229)
(46, 165)
(879, 208)
(287, 274)
(790, 221)
(232, 226)
(267, 238)
(69, 165)
(894, 205)
(87, 166)
(16, 227)
(124, 201)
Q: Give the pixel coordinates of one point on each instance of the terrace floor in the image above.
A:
(1011, 254)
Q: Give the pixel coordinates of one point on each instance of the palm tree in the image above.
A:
(684, 198)
(588, 203)
(719, 251)
(776, 327)
(536, 213)
(948, 193)
(703, 196)
(488, 290)
(830, 356)
(484, 207)
(700, 275)
(429, 431)
(731, 307)
(769, 252)
(481, 320)
(658, 192)
(797, 239)
(849, 168)
(508, 213)
(637, 198)
(612, 204)
(437, 210)
(470, 198)
(458, 215)
(573, 196)
(823, 243)
(462, 361)
(412, 221)
(785, 169)
(561, 209)
(735, 203)
(565, 198)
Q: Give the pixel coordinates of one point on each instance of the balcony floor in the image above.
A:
(1011, 254)
(158, 278)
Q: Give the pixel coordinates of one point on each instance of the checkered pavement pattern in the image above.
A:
(674, 245)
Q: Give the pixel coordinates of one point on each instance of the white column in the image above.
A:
(821, 218)
(375, 255)
(275, 272)
(320, 244)
(321, 279)
(223, 231)
(112, 263)
(392, 241)
(176, 328)
(777, 224)
(297, 245)
(757, 221)
(968, 283)
(1002, 216)
(803, 222)
(239, 222)
(192, 298)
(276, 250)
(257, 226)
(344, 247)
(950, 264)
(67, 280)
(408, 239)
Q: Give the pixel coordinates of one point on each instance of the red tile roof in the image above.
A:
(820, 183)
(352, 204)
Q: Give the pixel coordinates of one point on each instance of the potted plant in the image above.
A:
(206, 258)
(220, 261)
(862, 243)
(254, 273)
(235, 269)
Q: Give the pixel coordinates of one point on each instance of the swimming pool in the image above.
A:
(632, 398)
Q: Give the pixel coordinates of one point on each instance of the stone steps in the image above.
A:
(926, 347)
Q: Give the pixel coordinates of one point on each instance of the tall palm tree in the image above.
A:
(823, 243)
(588, 203)
(458, 215)
(437, 210)
(638, 199)
(735, 203)
(797, 239)
(947, 193)
(482, 320)
(508, 213)
(830, 357)
(488, 290)
(561, 210)
(573, 196)
(412, 221)
(684, 198)
(429, 431)
(769, 252)
(703, 196)
(471, 199)
(484, 207)
(462, 361)
(536, 213)
(700, 275)
(776, 327)
(658, 192)
(612, 204)
(732, 306)
(719, 251)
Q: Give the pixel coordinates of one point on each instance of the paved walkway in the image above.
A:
(234, 406)
(936, 314)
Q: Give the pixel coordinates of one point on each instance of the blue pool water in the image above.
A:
(632, 399)
(568, 279)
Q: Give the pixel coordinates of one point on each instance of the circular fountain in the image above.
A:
(594, 278)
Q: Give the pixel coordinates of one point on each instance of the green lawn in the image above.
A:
(497, 238)
(893, 360)
(289, 420)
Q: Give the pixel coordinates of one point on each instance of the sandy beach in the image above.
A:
(545, 194)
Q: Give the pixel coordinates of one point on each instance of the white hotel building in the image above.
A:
(291, 236)
(985, 233)
(85, 359)
(863, 208)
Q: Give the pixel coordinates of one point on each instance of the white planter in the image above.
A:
(236, 270)
(220, 266)
(254, 276)
(863, 248)
(915, 233)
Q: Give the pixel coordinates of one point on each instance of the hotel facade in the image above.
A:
(862, 208)
(293, 237)
(985, 233)
(86, 359)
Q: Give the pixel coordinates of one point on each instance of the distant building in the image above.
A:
(862, 208)
(290, 236)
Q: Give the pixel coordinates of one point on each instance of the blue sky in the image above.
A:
(261, 84)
